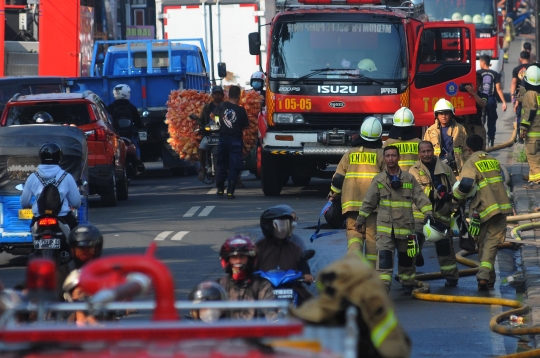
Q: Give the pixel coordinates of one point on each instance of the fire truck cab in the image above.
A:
(331, 66)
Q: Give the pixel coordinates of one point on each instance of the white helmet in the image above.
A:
(470, 194)
(371, 129)
(467, 19)
(434, 232)
(532, 75)
(443, 105)
(257, 80)
(122, 91)
(477, 19)
(403, 117)
(488, 20)
(367, 65)
(72, 281)
(456, 16)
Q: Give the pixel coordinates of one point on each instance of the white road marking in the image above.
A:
(206, 210)
(162, 236)
(245, 173)
(191, 211)
(178, 236)
(212, 191)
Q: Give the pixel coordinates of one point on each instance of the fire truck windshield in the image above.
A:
(349, 50)
(481, 13)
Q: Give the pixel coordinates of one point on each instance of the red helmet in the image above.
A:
(238, 245)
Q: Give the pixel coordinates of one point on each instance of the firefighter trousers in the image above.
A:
(446, 256)
(357, 241)
(532, 149)
(492, 233)
(386, 246)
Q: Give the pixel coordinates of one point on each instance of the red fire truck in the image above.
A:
(330, 66)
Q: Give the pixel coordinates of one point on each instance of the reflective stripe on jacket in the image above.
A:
(358, 167)
(457, 132)
(395, 205)
(530, 105)
(491, 197)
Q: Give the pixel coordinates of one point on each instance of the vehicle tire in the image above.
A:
(527, 27)
(300, 180)
(178, 172)
(108, 194)
(122, 189)
(271, 180)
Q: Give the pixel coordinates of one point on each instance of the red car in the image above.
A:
(106, 150)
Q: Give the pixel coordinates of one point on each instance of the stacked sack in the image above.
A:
(182, 136)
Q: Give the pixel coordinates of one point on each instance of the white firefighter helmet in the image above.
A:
(488, 20)
(367, 65)
(454, 227)
(434, 231)
(403, 118)
(456, 16)
(467, 19)
(122, 91)
(443, 105)
(371, 129)
(470, 194)
(477, 19)
(72, 281)
(532, 75)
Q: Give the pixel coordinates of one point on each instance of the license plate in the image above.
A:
(47, 244)
(25, 214)
(213, 140)
(284, 293)
(143, 135)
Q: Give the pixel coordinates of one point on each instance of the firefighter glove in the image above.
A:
(413, 248)
(360, 224)
(474, 225)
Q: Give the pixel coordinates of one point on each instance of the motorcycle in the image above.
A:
(211, 131)
(523, 23)
(134, 165)
(283, 282)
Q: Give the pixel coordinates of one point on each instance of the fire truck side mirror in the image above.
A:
(254, 43)
(427, 45)
(222, 69)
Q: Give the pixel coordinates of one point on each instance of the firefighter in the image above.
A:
(481, 180)
(352, 282)
(404, 135)
(393, 192)
(354, 173)
(437, 181)
(530, 124)
(448, 136)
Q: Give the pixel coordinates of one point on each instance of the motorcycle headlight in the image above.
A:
(288, 118)
(145, 114)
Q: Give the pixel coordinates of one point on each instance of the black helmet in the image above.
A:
(275, 212)
(50, 153)
(333, 215)
(42, 117)
(86, 243)
(207, 291)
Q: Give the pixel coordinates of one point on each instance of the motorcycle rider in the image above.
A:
(352, 282)
(355, 171)
(73, 293)
(392, 192)
(488, 208)
(448, 136)
(277, 251)
(121, 107)
(207, 291)
(437, 180)
(50, 155)
(238, 256)
(206, 117)
(404, 135)
(257, 83)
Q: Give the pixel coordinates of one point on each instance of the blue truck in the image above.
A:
(152, 69)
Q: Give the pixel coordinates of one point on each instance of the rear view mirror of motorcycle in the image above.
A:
(193, 117)
(19, 187)
(306, 255)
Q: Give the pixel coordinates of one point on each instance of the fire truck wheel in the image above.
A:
(271, 180)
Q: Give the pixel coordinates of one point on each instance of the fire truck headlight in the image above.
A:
(288, 118)
(387, 119)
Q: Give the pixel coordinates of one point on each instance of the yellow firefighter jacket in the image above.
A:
(423, 177)
(490, 198)
(530, 105)
(408, 151)
(395, 205)
(456, 131)
(354, 173)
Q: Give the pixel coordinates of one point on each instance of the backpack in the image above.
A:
(49, 201)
